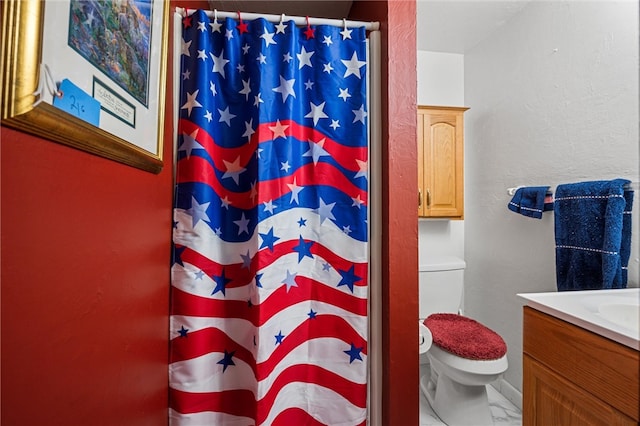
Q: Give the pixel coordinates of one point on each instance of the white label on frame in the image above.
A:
(113, 103)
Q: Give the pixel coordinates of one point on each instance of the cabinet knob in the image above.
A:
(428, 198)
(419, 197)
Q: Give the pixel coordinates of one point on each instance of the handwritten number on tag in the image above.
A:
(77, 106)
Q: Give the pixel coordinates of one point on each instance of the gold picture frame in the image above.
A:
(23, 37)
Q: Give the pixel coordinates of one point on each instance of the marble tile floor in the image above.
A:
(503, 411)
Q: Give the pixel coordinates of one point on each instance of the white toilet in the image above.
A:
(456, 387)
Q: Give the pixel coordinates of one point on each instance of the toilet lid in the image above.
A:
(465, 337)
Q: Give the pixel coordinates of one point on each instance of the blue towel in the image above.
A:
(530, 201)
(625, 246)
(592, 236)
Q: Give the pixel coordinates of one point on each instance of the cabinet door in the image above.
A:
(440, 150)
(551, 400)
(600, 367)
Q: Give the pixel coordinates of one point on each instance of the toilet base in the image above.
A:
(456, 404)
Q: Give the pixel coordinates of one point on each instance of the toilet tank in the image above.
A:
(441, 284)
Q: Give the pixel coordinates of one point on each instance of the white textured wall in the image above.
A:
(553, 99)
(440, 83)
(440, 79)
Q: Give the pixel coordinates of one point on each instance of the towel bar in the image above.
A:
(512, 191)
(633, 186)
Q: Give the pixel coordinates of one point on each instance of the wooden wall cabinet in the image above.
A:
(440, 162)
(572, 376)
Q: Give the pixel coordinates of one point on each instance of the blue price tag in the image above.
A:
(77, 102)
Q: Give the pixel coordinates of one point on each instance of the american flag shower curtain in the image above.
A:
(269, 276)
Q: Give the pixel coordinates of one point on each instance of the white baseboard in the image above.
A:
(509, 392)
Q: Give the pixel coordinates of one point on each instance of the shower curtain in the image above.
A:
(269, 276)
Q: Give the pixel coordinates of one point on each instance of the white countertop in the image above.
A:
(613, 314)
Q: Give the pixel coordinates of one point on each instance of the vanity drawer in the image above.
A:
(597, 365)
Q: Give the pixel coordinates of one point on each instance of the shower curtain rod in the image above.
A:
(298, 20)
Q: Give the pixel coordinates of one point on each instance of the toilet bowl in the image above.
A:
(465, 356)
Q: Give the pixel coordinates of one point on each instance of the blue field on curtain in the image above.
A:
(270, 276)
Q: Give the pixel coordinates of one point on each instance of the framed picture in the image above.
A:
(88, 74)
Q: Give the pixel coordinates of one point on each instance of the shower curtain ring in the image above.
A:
(242, 27)
(309, 32)
(281, 19)
(215, 16)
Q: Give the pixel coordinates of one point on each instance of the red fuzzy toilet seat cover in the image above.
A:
(465, 337)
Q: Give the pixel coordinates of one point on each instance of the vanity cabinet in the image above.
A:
(440, 162)
(572, 376)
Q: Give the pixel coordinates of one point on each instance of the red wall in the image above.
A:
(85, 255)
(400, 399)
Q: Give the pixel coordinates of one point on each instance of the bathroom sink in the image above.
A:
(623, 314)
(614, 314)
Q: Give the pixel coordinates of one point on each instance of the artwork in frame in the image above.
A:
(90, 74)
